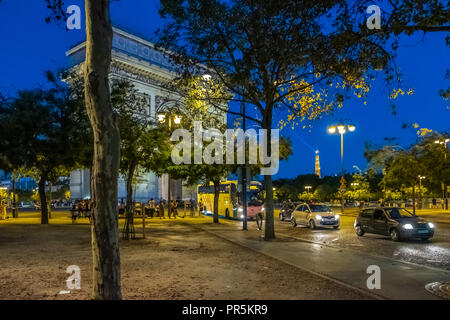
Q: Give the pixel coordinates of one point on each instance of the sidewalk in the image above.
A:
(399, 280)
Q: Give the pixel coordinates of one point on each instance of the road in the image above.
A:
(434, 253)
(406, 267)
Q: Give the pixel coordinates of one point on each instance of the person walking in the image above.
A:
(175, 208)
(161, 210)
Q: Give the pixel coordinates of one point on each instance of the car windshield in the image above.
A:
(397, 213)
(319, 208)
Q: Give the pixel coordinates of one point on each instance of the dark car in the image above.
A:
(398, 223)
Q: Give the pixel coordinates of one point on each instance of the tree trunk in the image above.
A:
(216, 201)
(269, 231)
(50, 200)
(130, 175)
(105, 168)
(43, 199)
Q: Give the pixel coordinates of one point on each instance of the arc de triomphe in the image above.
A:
(135, 59)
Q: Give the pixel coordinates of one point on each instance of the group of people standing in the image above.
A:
(83, 208)
(154, 210)
(157, 209)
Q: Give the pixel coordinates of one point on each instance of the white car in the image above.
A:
(315, 215)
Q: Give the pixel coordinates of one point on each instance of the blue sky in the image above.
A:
(30, 46)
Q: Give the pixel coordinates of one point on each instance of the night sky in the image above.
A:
(29, 46)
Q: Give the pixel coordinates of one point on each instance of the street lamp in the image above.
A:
(420, 189)
(176, 120)
(308, 188)
(341, 129)
(444, 142)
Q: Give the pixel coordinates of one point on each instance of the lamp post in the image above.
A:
(244, 168)
(176, 120)
(444, 142)
(420, 190)
(341, 129)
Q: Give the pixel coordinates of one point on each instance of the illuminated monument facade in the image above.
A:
(135, 59)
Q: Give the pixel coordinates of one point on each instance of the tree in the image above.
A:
(435, 157)
(270, 54)
(191, 106)
(44, 135)
(105, 167)
(144, 146)
(359, 188)
(306, 196)
(324, 192)
(404, 172)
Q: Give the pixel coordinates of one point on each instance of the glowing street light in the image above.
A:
(177, 120)
(308, 188)
(341, 129)
(161, 117)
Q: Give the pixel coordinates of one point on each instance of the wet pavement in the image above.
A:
(434, 253)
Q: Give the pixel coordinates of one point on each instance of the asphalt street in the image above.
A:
(434, 253)
(407, 268)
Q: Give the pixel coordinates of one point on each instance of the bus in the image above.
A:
(230, 200)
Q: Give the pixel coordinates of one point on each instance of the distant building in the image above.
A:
(135, 59)
(317, 165)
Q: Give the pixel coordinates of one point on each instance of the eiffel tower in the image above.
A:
(317, 168)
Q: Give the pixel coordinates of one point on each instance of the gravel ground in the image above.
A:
(175, 261)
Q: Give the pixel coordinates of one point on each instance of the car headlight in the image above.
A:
(336, 217)
(318, 217)
(431, 225)
(408, 226)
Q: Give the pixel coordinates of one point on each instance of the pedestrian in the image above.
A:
(152, 207)
(200, 207)
(175, 208)
(161, 210)
(79, 208)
